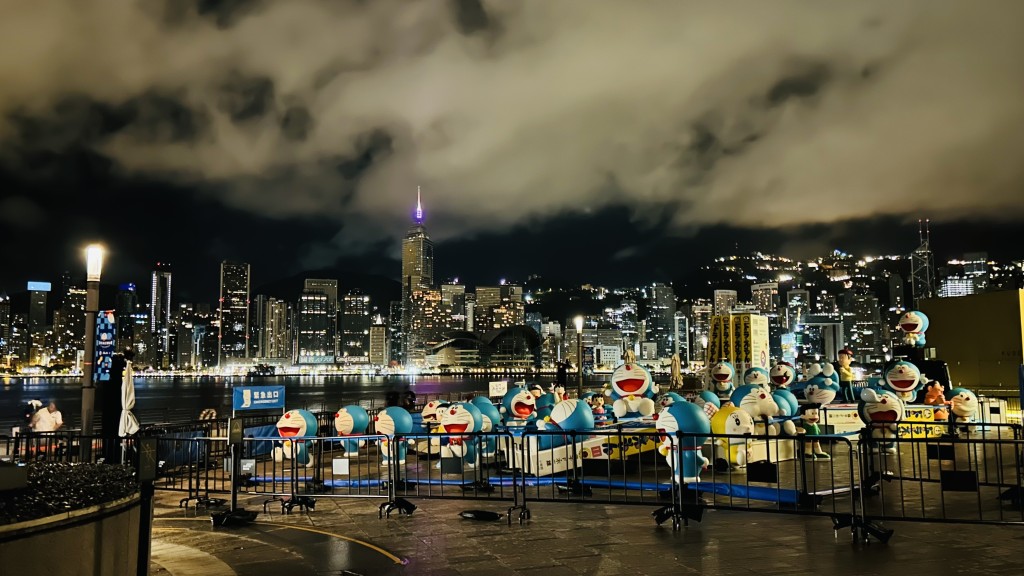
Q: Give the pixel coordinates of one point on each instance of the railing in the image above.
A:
(965, 477)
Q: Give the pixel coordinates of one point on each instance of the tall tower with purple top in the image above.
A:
(417, 274)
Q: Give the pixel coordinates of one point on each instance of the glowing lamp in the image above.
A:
(93, 262)
(579, 323)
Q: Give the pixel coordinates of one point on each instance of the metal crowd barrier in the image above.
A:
(968, 476)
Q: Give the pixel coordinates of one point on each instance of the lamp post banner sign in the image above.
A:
(105, 332)
(257, 397)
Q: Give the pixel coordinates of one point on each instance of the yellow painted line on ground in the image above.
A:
(373, 547)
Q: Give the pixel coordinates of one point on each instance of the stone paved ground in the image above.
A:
(569, 539)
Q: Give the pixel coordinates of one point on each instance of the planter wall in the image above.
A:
(101, 540)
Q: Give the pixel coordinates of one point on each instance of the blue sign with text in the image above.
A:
(257, 398)
(106, 330)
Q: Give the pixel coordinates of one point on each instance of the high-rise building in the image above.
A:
(955, 286)
(38, 328)
(702, 314)
(765, 297)
(866, 339)
(233, 312)
(417, 274)
(724, 301)
(126, 305)
(379, 342)
(396, 334)
(5, 328)
(315, 345)
(487, 299)
(275, 334)
(429, 323)
(681, 325)
(897, 300)
(160, 314)
(798, 305)
(454, 296)
(70, 330)
(329, 288)
(355, 329)
(661, 319)
(922, 266)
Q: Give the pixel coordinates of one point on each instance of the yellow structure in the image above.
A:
(742, 339)
(980, 337)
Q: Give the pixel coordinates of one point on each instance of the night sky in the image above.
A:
(578, 140)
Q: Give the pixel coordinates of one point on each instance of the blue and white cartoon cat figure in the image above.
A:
(722, 380)
(757, 376)
(431, 414)
(822, 385)
(963, 405)
(518, 408)
(708, 402)
(666, 399)
(351, 421)
(757, 400)
(569, 415)
(632, 391)
(490, 424)
(689, 419)
(393, 422)
(782, 375)
(789, 408)
(461, 418)
(881, 411)
(903, 379)
(295, 424)
(914, 324)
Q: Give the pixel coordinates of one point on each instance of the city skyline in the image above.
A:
(788, 129)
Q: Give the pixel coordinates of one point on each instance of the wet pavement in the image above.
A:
(345, 536)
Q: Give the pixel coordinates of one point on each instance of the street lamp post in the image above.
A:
(579, 356)
(94, 267)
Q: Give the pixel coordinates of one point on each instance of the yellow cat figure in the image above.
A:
(732, 420)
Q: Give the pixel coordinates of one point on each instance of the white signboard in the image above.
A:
(497, 389)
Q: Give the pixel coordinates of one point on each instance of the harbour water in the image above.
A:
(175, 399)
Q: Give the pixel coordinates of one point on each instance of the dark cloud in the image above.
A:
(804, 83)
(246, 98)
(470, 16)
(751, 115)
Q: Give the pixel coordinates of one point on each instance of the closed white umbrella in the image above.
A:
(129, 424)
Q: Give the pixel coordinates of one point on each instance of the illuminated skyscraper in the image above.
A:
(37, 324)
(417, 274)
(724, 301)
(328, 288)
(275, 332)
(126, 306)
(233, 312)
(661, 319)
(314, 322)
(5, 327)
(160, 314)
(765, 297)
(70, 329)
(378, 342)
(355, 328)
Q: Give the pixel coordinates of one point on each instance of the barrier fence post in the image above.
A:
(147, 475)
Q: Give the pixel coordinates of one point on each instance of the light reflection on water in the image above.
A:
(159, 399)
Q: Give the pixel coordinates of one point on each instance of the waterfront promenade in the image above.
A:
(345, 537)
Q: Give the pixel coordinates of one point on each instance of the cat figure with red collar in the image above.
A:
(461, 418)
(632, 391)
(691, 420)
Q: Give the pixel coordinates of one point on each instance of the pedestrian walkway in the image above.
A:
(346, 537)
